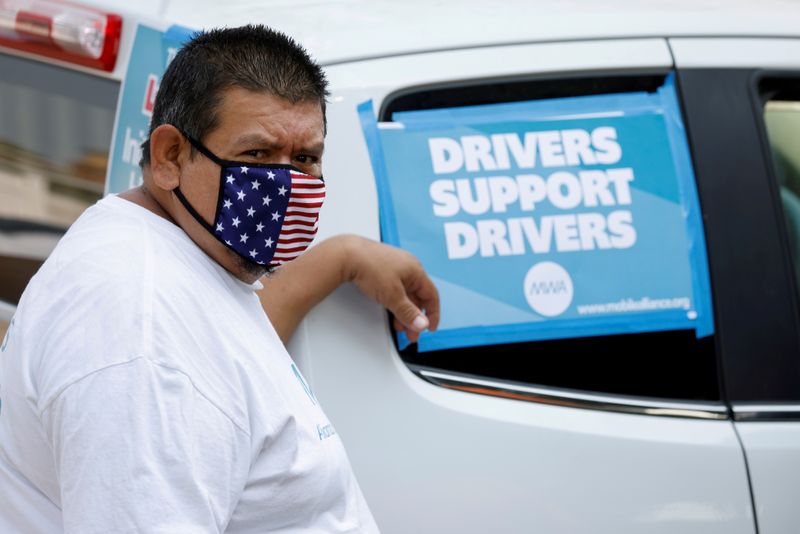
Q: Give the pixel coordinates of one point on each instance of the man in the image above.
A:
(143, 387)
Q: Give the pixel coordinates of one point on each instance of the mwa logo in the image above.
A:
(548, 289)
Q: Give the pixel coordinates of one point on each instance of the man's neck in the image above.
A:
(141, 196)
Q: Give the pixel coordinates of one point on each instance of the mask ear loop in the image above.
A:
(204, 151)
(192, 211)
(186, 204)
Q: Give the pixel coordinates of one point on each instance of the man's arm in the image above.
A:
(388, 275)
(138, 449)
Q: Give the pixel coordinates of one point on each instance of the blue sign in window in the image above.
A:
(547, 219)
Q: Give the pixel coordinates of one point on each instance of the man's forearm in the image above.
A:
(390, 276)
(293, 289)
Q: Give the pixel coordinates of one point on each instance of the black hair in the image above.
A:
(253, 57)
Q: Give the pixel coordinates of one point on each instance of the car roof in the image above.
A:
(344, 30)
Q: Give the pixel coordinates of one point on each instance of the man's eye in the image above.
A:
(253, 153)
(302, 158)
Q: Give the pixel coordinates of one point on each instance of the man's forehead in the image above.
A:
(253, 114)
(240, 101)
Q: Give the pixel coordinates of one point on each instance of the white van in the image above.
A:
(661, 430)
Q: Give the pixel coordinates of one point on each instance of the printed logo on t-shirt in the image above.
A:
(325, 431)
(303, 383)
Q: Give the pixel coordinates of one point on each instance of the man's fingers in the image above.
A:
(412, 336)
(427, 298)
(397, 280)
(432, 313)
(409, 315)
(398, 326)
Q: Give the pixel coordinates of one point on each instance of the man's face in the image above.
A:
(253, 128)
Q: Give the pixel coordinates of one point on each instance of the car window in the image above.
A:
(55, 131)
(782, 119)
(673, 363)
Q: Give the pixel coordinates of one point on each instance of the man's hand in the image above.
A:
(395, 279)
(390, 276)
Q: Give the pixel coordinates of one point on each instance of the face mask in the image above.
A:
(265, 213)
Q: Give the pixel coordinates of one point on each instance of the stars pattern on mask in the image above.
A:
(285, 220)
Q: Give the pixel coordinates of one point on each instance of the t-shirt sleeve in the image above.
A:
(138, 448)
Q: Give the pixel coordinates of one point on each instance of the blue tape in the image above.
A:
(388, 222)
(369, 126)
(629, 104)
(561, 329)
(178, 34)
(402, 341)
(701, 283)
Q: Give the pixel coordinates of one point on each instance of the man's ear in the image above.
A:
(167, 147)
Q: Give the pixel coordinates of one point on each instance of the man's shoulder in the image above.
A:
(87, 307)
(123, 285)
(115, 250)
(115, 237)
(100, 255)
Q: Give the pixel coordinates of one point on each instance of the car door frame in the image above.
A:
(756, 300)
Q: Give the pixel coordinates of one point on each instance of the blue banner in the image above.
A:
(547, 219)
(151, 53)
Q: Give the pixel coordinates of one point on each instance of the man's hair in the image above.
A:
(252, 57)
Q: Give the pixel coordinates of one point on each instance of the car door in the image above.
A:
(619, 434)
(743, 100)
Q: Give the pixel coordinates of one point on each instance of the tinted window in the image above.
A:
(55, 131)
(671, 364)
(782, 119)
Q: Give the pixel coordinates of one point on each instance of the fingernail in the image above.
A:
(420, 323)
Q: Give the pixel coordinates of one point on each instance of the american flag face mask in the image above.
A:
(266, 213)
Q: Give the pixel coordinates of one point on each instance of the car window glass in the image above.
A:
(673, 364)
(782, 119)
(55, 130)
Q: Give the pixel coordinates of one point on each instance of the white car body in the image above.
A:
(432, 458)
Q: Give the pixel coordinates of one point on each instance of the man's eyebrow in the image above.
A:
(262, 141)
(314, 148)
(254, 139)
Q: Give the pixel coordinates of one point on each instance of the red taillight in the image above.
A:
(65, 31)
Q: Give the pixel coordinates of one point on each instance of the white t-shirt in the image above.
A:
(144, 389)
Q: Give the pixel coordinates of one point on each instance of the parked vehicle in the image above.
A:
(657, 431)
